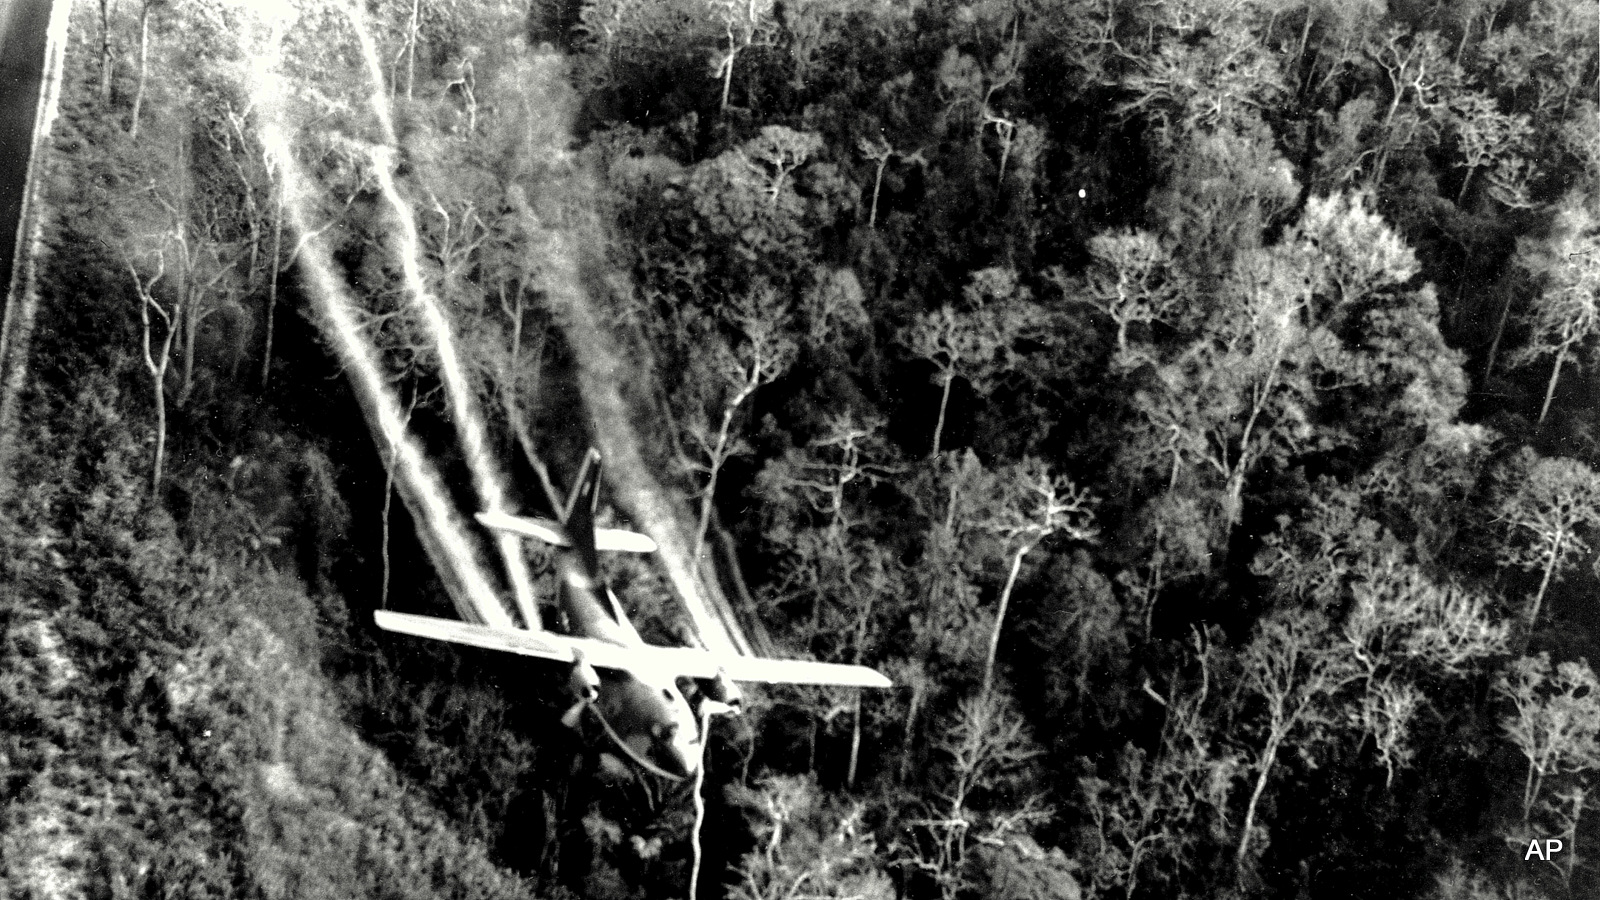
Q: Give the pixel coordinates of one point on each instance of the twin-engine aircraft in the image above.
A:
(630, 686)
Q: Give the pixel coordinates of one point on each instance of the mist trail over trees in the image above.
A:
(602, 368)
(571, 279)
(441, 529)
(469, 423)
(576, 282)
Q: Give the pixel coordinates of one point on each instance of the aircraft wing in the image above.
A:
(676, 661)
(551, 532)
(526, 643)
(800, 671)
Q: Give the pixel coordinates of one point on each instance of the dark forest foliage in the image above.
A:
(1188, 404)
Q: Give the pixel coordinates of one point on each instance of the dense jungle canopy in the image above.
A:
(1191, 405)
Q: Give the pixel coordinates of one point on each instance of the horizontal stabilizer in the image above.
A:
(612, 539)
(685, 662)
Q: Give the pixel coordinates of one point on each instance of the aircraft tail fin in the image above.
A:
(579, 518)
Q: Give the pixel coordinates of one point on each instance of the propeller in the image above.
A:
(584, 683)
(719, 689)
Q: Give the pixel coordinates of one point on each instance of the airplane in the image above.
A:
(629, 686)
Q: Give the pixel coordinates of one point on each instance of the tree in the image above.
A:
(1147, 826)
(626, 42)
(745, 24)
(1485, 136)
(157, 357)
(826, 479)
(519, 379)
(1293, 670)
(1555, 720)
(1404, 632)
(1299, 347)
(1567, 310)
(986, 749)
(204, 276)
(409, 50)
(145, 8)
(740, 220)
(1541, 59)
(178, 275)
(107, 10)
(811, 29)
(968, 89)
(1128, 282)
(173, 194)
(1547, 504)
(879, 151)
(778, 152)
(807, 847)
(1207, 73)
(231, 136)
(1033, 505)
(491, 262)
(1330, 45)
(1175, 534)
(1417, 69)
(1356, 253)
(1470, 16)
(763, 352)
(1429, 490)
(1240, 390)
(1403, 621)
(953, 495)
(977, 342)
(830, 560)
(1391, 368)
(1222, 188)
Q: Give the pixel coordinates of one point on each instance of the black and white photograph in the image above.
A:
(799, 449)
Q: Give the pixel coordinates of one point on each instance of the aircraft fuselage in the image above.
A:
(643, 710)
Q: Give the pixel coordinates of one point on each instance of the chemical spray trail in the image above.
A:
(442, 532)
(357, 13)
(468, 418)
(467, 415)
(601, 374)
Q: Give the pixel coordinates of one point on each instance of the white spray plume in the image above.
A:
(467, 416)
(439, 527)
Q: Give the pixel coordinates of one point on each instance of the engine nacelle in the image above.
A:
(583, 680)
(722, 690)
